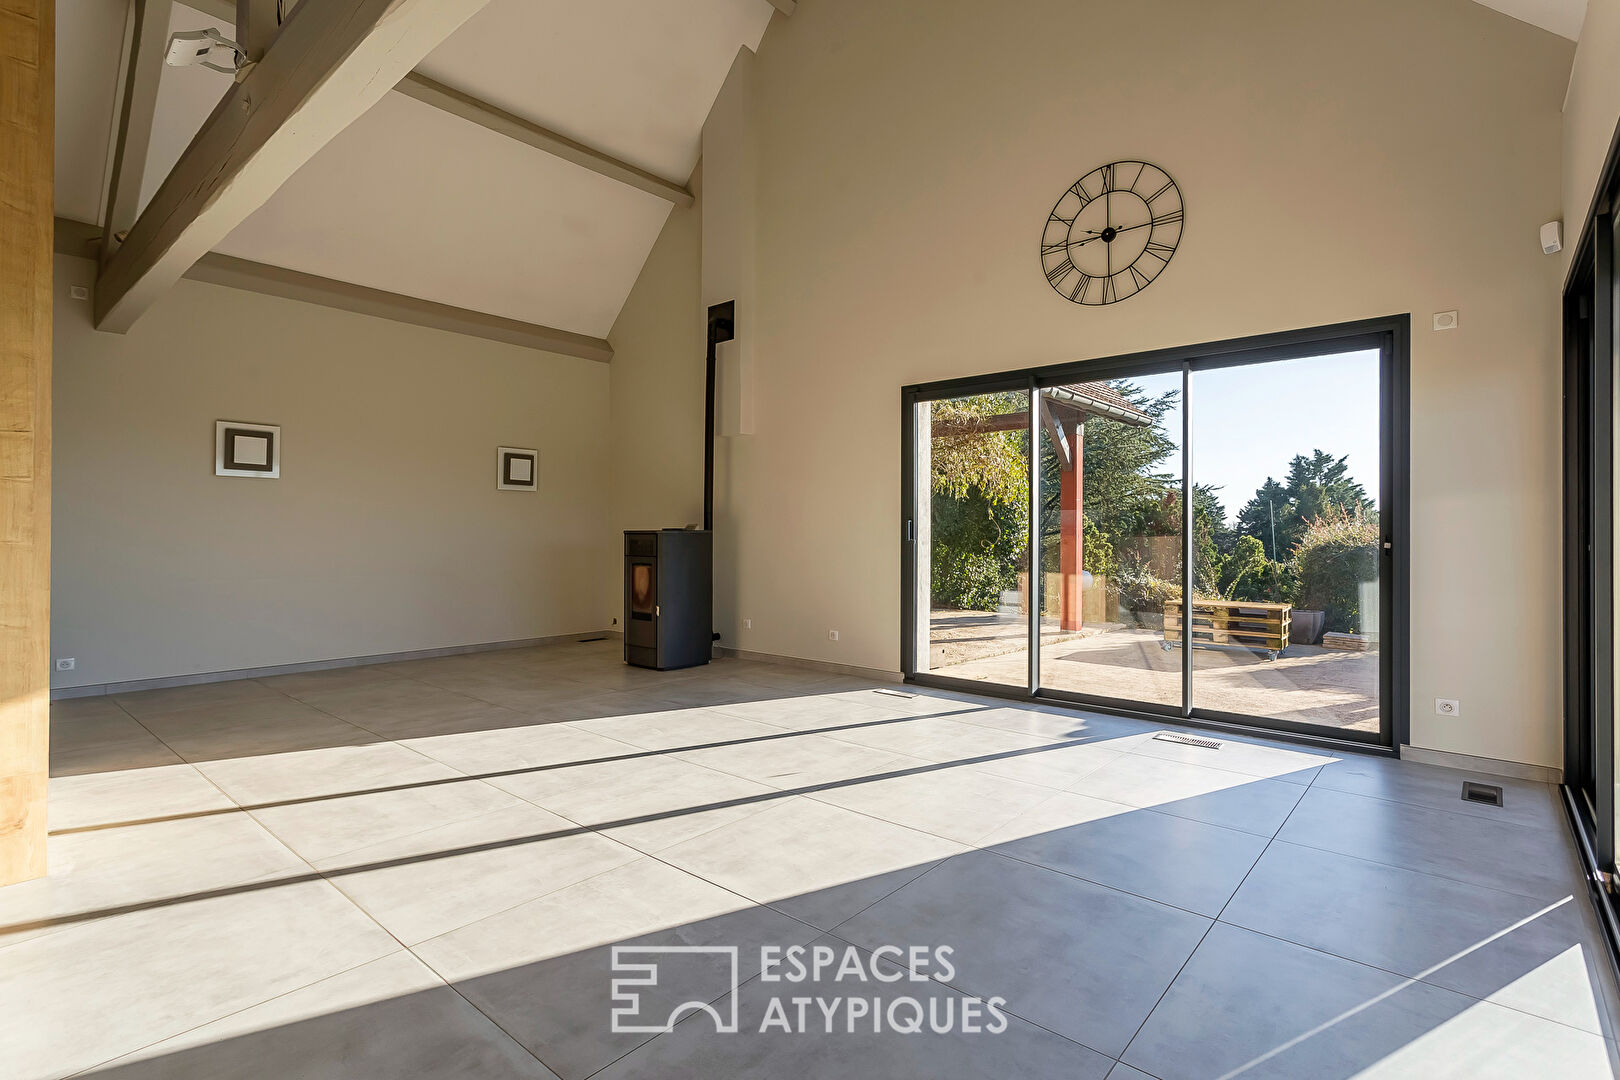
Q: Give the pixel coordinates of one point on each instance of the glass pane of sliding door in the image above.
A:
(1110, 537)
(1286, 541)
(972, 477)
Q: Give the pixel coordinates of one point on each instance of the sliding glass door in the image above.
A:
(1212, 534)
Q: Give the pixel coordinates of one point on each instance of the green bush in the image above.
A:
(969, 580)
(1249, 575)
(1336, 554)
(1141, 591)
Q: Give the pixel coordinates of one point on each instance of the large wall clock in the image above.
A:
(1112, 233)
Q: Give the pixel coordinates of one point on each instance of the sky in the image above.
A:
(1248, 422)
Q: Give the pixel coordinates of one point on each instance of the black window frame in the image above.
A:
(1391, 336)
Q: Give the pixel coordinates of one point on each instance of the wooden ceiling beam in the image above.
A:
(328, 64)
(429, 91)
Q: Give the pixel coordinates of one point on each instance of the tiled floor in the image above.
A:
(422, 869)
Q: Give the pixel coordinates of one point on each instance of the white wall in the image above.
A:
(1339, 161)
(1591, 111)
(385, 532)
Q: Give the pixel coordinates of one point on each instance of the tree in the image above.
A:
(1316, 486)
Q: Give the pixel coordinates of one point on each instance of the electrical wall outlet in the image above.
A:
(66, 663)
(1447, 706)
(832, 635)
(748, 624)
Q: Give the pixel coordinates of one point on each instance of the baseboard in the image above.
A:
(60, 693)
(1543, 774)
(875, 674)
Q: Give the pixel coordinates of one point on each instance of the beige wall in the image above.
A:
(1590, 113)
(657, 386)
(1338, 161)
(385, 532)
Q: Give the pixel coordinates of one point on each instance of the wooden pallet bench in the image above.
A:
(1233, 624)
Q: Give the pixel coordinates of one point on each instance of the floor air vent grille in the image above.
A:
(1187, 740)
(1488, 794)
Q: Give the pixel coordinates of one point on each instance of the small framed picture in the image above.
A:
(517, 469)
(242, 449)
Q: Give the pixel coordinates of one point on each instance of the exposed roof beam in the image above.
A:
(81, 239)
(329, 63)
(237, 273)
(148, 40)
(430, 91)
(1054, 432)
(453, 101)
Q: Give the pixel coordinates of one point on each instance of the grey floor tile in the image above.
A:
(677, 729)
(535, 747)
(544, 971)
(649, 803)
(384, 1020)
(257, 779)
(818, 863)
(959, 802)
(125, 796)
(1523, 802)
(98, 991)
(104, 742)
(1526, 953)
(1122, 1071)
(1513, 858)
(429, 883)
(802, 761)
(828, 1049)
(217, 732)
(1216, 796)
(104, 872)
(1253, 1006)
(1085, 961)
(324, 827)
(1242, 756)
(1176, 861)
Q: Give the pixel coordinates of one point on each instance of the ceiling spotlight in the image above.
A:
(204, 48)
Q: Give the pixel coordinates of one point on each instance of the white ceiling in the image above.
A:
(1562, 17)
(415, 201)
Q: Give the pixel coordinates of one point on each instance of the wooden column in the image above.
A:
(1071, 541)
(27, 108)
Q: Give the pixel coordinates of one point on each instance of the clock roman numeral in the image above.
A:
(1079, 291)
(1138, 277)
(1060, 271)
(1107, 179)
(1162, 252)
(1168, 184)
(1080, 193)
(1054, 249)
(1169, 219)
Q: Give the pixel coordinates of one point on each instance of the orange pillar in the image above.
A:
(1071, 495)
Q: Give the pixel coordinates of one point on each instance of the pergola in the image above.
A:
(1064, 411)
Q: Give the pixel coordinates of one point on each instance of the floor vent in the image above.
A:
(1187, 740)
(894, 693)
(1488, 794)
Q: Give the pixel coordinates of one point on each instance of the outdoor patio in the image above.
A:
(1306, 684)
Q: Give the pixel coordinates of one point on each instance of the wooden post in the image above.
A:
(1071, 540)
(27, 120)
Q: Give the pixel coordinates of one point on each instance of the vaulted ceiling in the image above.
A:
(419, 201)
(414, 200)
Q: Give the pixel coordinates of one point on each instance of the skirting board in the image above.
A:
(60, 693)
(875, 674)
(1542, 774)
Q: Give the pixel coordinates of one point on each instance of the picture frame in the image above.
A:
(244, 449)
(517, 469)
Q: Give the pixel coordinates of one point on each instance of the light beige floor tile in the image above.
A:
(98, 991)
(431, 882)
(127, 796)
(959, 802)
(818, 863)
